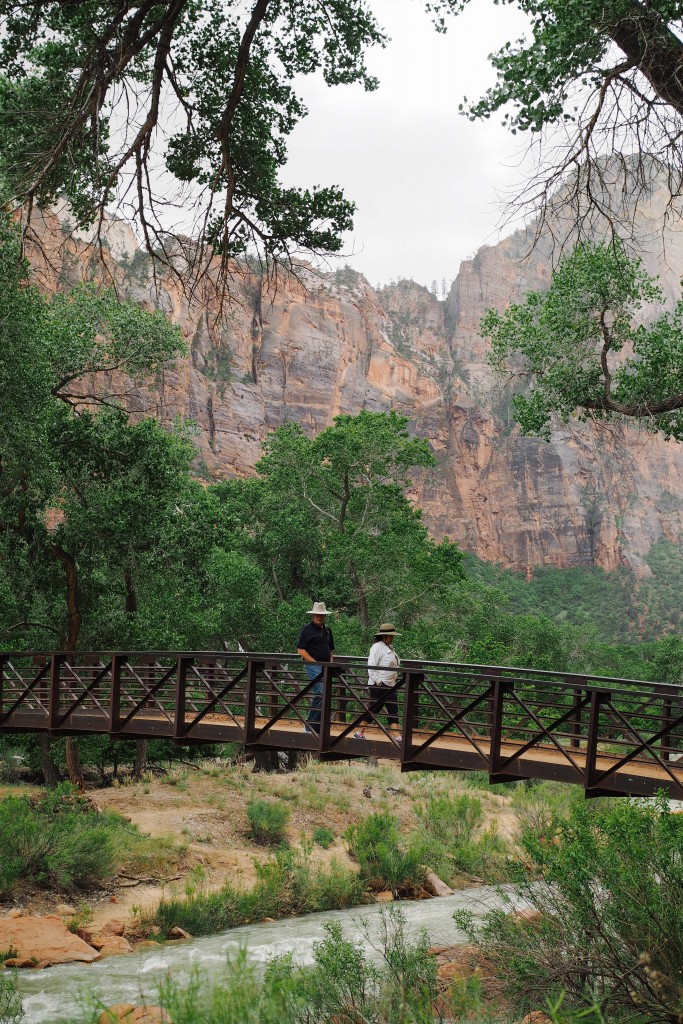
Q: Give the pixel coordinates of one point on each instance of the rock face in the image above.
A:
(310, 346)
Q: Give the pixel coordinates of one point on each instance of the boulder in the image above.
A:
(112, 945)
(126, 1013)
(455, 963)
(384, 897)
(15, 961)
(527, 916)
(15, 913)
(435, 886)
(46, 940)
(147, 944)
(64, 910)
(180, 933)
(113, 927)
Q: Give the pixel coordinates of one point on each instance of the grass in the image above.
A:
(286, 884)
(267, 821)
(384, 861)
(323, 836)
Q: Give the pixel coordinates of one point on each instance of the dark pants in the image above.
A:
(388, 700)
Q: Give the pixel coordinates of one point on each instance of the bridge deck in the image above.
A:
(610, 736)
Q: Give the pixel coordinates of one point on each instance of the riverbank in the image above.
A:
(200, 839)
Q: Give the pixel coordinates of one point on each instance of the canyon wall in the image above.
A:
(309, 346)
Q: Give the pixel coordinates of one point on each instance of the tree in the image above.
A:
(333, 518)
(595, 77)
(576, 348)
(207, 91)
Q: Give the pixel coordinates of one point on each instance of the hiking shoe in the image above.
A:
(398, 738)
(359, 735)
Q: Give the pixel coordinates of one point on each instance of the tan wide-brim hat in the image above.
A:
(318, 609)
(387, 629)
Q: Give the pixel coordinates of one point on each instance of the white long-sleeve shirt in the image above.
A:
(382, 654)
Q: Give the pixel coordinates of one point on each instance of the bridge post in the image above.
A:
(253, 668)
(179, 728)
(53, 704)
(500, 688)
(598, 698)
(326, 709)
(575, 741)
(411, 711)
(117, 661)
(667, 708)
(3, 659)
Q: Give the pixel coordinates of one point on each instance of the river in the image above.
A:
(58, 992)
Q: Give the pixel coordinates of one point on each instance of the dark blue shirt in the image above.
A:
(317, 640)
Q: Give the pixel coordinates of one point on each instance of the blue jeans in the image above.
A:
(313, 671)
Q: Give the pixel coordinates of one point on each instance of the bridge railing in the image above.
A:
(607, 735)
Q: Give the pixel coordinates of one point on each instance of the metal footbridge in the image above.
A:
(614, 737)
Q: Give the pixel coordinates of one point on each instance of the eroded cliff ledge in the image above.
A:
(309, 347)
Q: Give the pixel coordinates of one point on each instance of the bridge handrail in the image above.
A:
(564, 680)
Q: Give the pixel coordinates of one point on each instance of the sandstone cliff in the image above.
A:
(310, 346)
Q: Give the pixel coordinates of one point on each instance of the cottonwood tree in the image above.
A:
(180, 111)
(595, 78)
(577, 351)
(339, 498)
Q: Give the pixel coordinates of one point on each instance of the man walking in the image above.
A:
(315, 645)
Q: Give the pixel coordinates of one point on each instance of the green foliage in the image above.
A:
(384, 861)
(11, 1009)
(323, 836)
(236, 88)
(608, 890)
(567, 342)
(59, 839)
(267, 821)
(287, 884)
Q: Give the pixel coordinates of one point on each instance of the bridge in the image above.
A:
(614, 737)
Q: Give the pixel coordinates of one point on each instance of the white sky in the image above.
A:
(428, 183)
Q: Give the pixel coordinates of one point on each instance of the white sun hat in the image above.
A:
(318, 609)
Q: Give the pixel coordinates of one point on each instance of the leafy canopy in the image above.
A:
(577, 349)
(182, 107)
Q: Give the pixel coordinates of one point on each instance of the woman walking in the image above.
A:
(383, 663)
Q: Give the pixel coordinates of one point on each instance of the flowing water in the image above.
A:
(58, 992)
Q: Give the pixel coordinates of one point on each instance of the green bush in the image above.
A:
(608, 888)
(285, 885)
(384, 863)
(11, 1010)
(267, 821)
(323, 837)
(60, 839)
(451, 820)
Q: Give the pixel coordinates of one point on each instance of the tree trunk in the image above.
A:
(69, 563)
(363, 612)
(140, 766)
(47, 765)
(73, 760)
(73, 763)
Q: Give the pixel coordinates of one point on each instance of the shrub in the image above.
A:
(451, 820)
(609, 894)
(267, 821)
(383, 862)
(323, 837)
(11, 1010)
(61, 839)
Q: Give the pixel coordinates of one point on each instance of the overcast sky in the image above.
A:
(426, 181)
